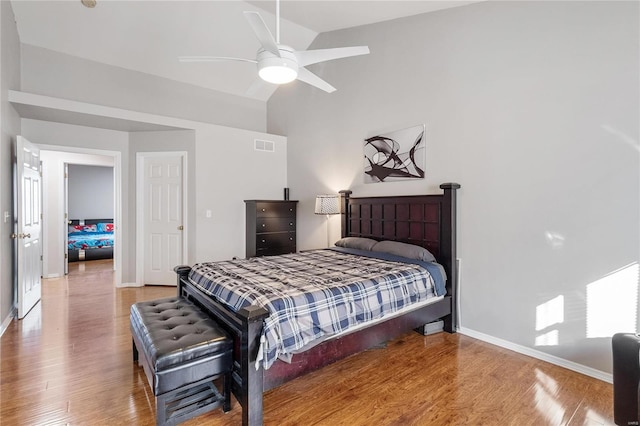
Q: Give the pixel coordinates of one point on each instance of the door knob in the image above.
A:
(180, 228)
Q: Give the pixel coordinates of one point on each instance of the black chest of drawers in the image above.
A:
(271, 227)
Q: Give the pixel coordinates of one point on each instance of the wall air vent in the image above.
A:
(262, 145)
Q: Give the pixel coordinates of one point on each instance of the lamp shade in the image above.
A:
(327, 204)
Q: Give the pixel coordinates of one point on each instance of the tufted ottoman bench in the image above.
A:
(182, 351)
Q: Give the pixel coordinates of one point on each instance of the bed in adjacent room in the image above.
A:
(90, 239)
(292, 314)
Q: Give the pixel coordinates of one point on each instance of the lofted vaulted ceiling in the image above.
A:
(148, 36)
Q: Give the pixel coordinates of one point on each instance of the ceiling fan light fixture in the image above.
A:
(278, 70)
(278, 74)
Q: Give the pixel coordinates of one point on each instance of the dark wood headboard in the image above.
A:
(428, 221)
(89, 221)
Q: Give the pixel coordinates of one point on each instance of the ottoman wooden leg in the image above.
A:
(226, 392)
(135, 350)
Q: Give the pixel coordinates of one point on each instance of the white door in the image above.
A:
(29, 225)
(163, 208)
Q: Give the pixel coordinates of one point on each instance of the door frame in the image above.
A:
(141, 157)
(117, 195)
(65, 205)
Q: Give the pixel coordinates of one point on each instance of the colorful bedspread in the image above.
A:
(89, 240)
(314, 294)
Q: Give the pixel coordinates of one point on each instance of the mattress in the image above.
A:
(317, 294)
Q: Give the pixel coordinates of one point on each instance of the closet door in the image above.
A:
(163, 213)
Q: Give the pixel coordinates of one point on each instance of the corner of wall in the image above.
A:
(9, 127)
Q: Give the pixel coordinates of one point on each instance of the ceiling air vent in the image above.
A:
(262, 145)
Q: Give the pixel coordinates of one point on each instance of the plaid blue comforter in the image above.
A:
(313, 294)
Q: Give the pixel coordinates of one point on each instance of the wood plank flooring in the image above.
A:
(69, 362)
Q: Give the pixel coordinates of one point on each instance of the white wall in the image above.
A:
(90, 194)
(224, 170)
(230, 171)
(50, 73)
(9, 127)
(533, 108)
(97, 147)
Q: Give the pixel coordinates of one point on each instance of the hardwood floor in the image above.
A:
(69, 362)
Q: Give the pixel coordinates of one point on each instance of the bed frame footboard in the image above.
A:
(246, 327)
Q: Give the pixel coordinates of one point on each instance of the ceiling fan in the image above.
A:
(278, 63)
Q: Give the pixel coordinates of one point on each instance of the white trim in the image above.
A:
(139, 221)
(552, 359)
(140, 206)
(52, 276)
(76, 107)
(124, 285)
(7, 320)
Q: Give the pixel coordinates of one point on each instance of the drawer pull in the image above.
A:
(263, 241)
(264, 210)
(290, 223)
(264, 224)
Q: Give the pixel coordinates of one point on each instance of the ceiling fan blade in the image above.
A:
(308, 57)
(262, 32)
(312, 79)
(212, 59)
(259, 88)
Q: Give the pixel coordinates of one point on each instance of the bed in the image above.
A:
(90, 239)
(427, 221)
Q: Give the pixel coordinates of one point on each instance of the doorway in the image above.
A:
(55, 213)
(90, 207)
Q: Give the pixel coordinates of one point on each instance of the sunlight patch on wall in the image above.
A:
(550, 313)
(548, 339)
(612, 303)
(622, 137)
(554, 239)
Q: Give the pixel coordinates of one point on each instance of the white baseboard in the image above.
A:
(52, 276)
(552, 359)
(7, 320)
(122, 285)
